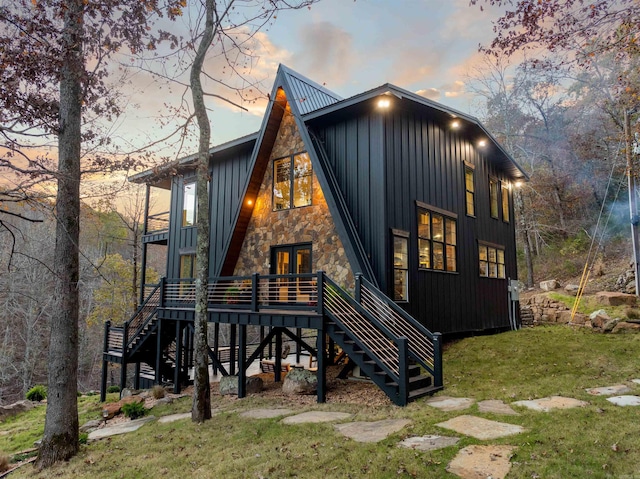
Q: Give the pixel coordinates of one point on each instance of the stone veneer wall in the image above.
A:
(310, 224)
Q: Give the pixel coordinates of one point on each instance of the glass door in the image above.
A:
(293, 259)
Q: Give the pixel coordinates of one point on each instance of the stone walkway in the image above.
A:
(471, 462)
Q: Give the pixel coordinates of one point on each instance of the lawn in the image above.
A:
(598, 441)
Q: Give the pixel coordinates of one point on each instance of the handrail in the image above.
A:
(144, 314)
(424, 346)
(374, 335)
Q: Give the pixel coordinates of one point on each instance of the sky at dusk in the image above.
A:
(425, 46)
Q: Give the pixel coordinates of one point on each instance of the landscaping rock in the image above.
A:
(164, 400)
(549, 285)
(428, 443)
(447, 403)
(495, 406)
(625, 400)
(266, 413)
(229, 385)
(609, 390)
(316, 417)
(371, 431)
(112, 409)
(579, 318)
(90, 425)
(121, 428)
(549, 403)
(626, 327)
(615, 299)
(599, 318)
(482, 462)
(609, 325)
(15, 409)
(126, 392)
(300, 381)
(572, 289)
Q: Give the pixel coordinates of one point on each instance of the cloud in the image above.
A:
(454, 89)
(430, 93)
(325, 53)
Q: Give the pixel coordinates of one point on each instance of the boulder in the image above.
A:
(229, 385)
(579, 318)
(90, 425)
(599, 318)
(16, 408)
(626, 327)
(300, 381)
(615, 299)
(564, 317)
(609, 325)
(164, 400)
(572, 289)
(549, 285)
(112, 409)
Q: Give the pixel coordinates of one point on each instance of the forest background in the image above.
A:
(565, 107)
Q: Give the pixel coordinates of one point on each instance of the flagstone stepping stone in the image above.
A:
(266, 413)
(428, 443)
(496, 406)
(553, 402)
(610, 390)
(481, 428)
(447, 403)
(317, 416)
(625, 400)
(637, 381)
(481, 462)
(180, 416)
(371, 431)
(121, 428)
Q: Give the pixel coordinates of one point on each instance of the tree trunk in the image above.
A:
(60, 441)
(201, 407)
(524, 236)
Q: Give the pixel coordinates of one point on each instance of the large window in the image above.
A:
(187, 265)
(437, 240)
(470, 190)
(292, 178)
(505, 203)
(491, 261)
(189, 204)
(493, 197)
(400, 266)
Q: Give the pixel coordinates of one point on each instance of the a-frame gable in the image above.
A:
(299, 94)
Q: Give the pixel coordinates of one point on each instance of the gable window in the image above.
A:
(400, 266)
(493, 197)
(189, 204)
(470, 191)
(292, 177)
(505, 203)
(437, 240)
(491, 261)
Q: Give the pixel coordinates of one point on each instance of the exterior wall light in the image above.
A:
(384, 103)
(482, 143)
(455, 124)
(518, 184)
(249, 202)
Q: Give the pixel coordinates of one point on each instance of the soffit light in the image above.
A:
(384, 102)
(455, 124)
(482, 143)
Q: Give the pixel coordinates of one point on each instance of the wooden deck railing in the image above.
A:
(157, 223)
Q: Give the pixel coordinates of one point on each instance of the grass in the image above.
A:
(597, 441)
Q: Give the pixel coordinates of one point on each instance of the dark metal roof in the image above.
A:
(308, 95)
(500, 157)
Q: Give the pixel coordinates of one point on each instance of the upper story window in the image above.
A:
(491, 260)
(493, 197)
(189, 204)
(437, 240)
(400, 265)
(505, 203)
(292, 179)
(470, 190)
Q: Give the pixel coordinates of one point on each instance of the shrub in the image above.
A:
(37, 393)
(4, 463)
(134, 410)
(158, 392)
(83, 438)
(113, 389)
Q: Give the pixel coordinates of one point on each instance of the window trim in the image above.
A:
(497, 248)
(183, 219)
(292, 181)
(447, 218)
(468, 167)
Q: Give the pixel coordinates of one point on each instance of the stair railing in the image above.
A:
(372, 336)
(424, 346)
(145, 313)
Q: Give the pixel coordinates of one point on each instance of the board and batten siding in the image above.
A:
(386, 162)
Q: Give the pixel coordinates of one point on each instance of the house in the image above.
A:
(373, 220)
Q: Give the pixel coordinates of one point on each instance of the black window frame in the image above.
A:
(494, 202)
(183, 219)
(505, 203)
(398, 268)
(496, 264)
(292, 181)
(447, 245)
(470, 192)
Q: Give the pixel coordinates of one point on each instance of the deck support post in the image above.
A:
(145, 229)
(136, 376)
(178, 363)
(123, 366)
(403, 371)
(158, 379)
(278, 356)
(242, 358)
(232, 350)
(105, 363)
(437, 360)
(298, 347)
(322, 364)
(216, 345)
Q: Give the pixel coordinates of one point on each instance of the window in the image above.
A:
(292, 190)
(491, 261)
(493, 197)
(437, 240)
(400, 268)
(470, 190)
(189, 204)
(505, 203)
(187, 265)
